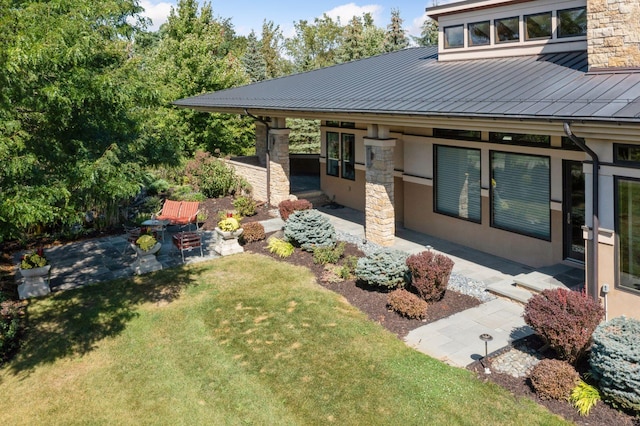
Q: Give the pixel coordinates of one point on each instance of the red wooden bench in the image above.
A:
(179, 212)
(187, 241)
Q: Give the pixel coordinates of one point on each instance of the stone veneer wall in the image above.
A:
(379, 209)
(613, 33)
(254, 174)
(279, 156)
(261, 143)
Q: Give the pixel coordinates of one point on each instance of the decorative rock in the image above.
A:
(516, 362)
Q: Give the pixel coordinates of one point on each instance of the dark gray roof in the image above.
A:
(414, 82)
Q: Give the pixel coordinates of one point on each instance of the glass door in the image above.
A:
(573, 210)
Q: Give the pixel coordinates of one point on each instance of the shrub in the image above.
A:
(11, 313)
(287, 207)
(212, 176)
(245, 206)
(554, 379)
(564, 319)
(615, 361)
(309, 229)
(407, 304)
(158, 186)
(430, 274)
(280, 247)
(348, 267)
(584, 397)
(324, 255)
(186, 193)
(253, 231)
(384, 268)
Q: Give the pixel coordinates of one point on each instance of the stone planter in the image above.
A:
(34, 284)
(227, 242)
(146, 261)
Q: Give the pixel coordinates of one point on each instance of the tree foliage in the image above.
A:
(428, 35)
(253, 61)
(395, 37)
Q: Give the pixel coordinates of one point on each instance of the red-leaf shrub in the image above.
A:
(553, 379)
(287, 207)
(407, 304)
(252, 232)
(430, 274)
(565, 320)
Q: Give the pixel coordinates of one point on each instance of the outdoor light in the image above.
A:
(486, 338)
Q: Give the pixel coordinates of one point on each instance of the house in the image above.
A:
(519, 135)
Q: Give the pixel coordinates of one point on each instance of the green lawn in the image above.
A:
(239, 340)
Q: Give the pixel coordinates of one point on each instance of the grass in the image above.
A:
(218, 343)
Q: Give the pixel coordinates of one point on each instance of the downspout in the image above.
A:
(268, 154)
(592, 281)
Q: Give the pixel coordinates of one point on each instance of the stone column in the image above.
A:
(613, 39)
(261, 143)
(379, 209)
(279, 165)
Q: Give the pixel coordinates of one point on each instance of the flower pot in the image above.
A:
(34, 284)
(228, 235)
(146, 261)
(228, 242)
(152, 251)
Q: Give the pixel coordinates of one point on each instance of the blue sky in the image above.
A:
(249, 14)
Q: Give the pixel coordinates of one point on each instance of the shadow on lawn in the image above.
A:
(72, 322)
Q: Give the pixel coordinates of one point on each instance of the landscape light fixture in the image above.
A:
(486, 338)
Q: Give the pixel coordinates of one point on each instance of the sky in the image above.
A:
(249, 14)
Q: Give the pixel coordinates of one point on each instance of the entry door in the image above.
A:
(574, 210)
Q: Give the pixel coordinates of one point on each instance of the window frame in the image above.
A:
(469, 31)
(497, 36)
(352, 161)
(618, 231)
(436, 178)
(616, 158)
(526, 27)
(558, 12)
(331, 160)
(456, 134)
(493, 139)
(492, 195)
(445, 40)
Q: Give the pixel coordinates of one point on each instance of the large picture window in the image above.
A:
(333, 153)
(628, 228)
(457, 183)
(348, 156)
(520, 194)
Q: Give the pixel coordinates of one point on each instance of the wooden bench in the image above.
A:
(179, 212)
(187, 241)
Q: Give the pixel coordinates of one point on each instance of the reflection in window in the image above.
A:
(458, 182)
(454, 36)
(479, 33)
(628, 215)
(348, 156)
(467, 135)
(627, 153)
(507, 29)
(333, 153)
(537, 26)
(572, 22)
(520, 194)
(520, 139)
(567, 143)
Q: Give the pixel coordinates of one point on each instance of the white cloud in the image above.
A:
(347, 11)
(157, 12)
(415, 27)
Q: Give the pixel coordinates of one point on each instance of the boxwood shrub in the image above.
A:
(384, 268)
(615, 361)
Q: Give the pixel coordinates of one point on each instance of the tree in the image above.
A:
(395, 37)
(69, 89)
(429, 34)
(271, 46)
(314, 45)
(254, 63)
(353, 43)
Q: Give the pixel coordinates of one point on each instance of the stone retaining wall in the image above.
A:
(254, 174)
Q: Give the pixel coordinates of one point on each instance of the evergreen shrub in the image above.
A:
(252, 232)
(565, 320)
(245, 206)
(615, 361)
(407, 304)
(309, 229)
(384, 268)
(324, 255)
(286, 207)
(430, 274)
(554, 379)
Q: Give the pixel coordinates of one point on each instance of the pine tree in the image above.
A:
(353, 43)
(395, 38)
(429, 34)
(253, 61)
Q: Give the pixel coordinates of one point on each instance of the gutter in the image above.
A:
(268, 153)
(592, 280)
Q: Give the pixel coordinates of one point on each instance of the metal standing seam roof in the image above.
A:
(413, 82)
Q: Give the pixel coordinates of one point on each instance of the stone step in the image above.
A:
(509, 290)
(537, 282)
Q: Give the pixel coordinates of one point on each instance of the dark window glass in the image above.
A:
(520, 139)
(537, 26)
(628, 218)
(454, 36)
(347, 124)
(507, 29)
(479, 34)
(626, 153)
(333, 123)
(572, 22)
(348, 156)
(567, 143)
(520, 194)
(467, 135)
(457, 183)
(333, 153)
